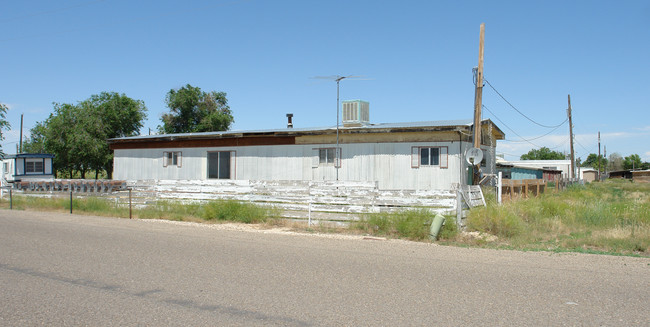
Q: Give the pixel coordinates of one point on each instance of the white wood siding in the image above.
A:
(388, 164)
(48, 166)
(19, 166)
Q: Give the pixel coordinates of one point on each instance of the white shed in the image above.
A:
(414, 156)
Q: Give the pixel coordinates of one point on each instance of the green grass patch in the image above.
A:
(409, 224)
(217, 210)
(233, 211)
(609, 217)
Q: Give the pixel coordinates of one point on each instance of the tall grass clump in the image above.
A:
(218, 210)
(496, 220)
(90, 205)
(612, 216)
(169, 210)
(27, 202)
(409, 224)
(232, 210)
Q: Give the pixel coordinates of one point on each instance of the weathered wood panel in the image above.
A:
(321, 201)
(328, 200)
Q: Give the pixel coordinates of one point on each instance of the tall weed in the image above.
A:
(409, 224)
(233, 211)
(608, 216)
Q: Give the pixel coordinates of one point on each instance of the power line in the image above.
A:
(584, 148)
(524, 139)
(517, 110)
(504, 124)
(538, 137)
(566, 140)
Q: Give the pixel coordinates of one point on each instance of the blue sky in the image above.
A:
(416, 56)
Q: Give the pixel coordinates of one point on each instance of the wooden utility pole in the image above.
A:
(605, 157)
(20, 146)
(573, 162)
(599, 156)
(478, 93)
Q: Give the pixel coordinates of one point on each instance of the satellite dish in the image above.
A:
(474, 156)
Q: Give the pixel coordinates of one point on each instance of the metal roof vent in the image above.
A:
(356, 113)
(289, 120)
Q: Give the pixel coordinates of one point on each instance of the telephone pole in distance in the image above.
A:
(573, 161)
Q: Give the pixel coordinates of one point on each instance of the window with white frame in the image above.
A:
(220, 164)
(172, 159)
(327, 157)
(429, 156)
(34, 166)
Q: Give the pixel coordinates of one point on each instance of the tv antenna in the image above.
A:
(338, 79)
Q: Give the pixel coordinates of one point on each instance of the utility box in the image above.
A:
(356, 113)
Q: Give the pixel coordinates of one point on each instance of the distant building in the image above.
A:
(638, 176)
(564, 166)
(588, 174)
(27, 166)
(516, 171)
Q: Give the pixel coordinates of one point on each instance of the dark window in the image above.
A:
(172, 159)
(429, 156)
(219, 164)
(34, 166)
(326, 156)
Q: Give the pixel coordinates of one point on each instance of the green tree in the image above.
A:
(35, 143)
(632, 161)
(543, 153)
(76, 134)
(615, 162)
(4, 124)
(194, 111)
(59, 137)
(592, 161)
(110, 115)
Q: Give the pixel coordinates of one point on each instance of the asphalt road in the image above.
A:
(69, 270)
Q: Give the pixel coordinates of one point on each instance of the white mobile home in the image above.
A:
(27, 166)
(409, 156)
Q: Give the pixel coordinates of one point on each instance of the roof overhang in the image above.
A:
(30, 155)
(287, 135)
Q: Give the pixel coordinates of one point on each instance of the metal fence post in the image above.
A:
(70, 201)
(11, 200)
(459, 209)
(500, 188)
(130, 207)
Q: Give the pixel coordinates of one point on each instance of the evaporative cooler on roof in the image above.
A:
(356, 113)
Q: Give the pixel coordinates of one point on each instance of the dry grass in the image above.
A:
(611, 217)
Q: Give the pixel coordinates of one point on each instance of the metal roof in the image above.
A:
(29, 155)
(310, 130)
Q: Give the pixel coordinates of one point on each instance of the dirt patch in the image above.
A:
(477, 236)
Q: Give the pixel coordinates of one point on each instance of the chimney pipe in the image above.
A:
(289, 123)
